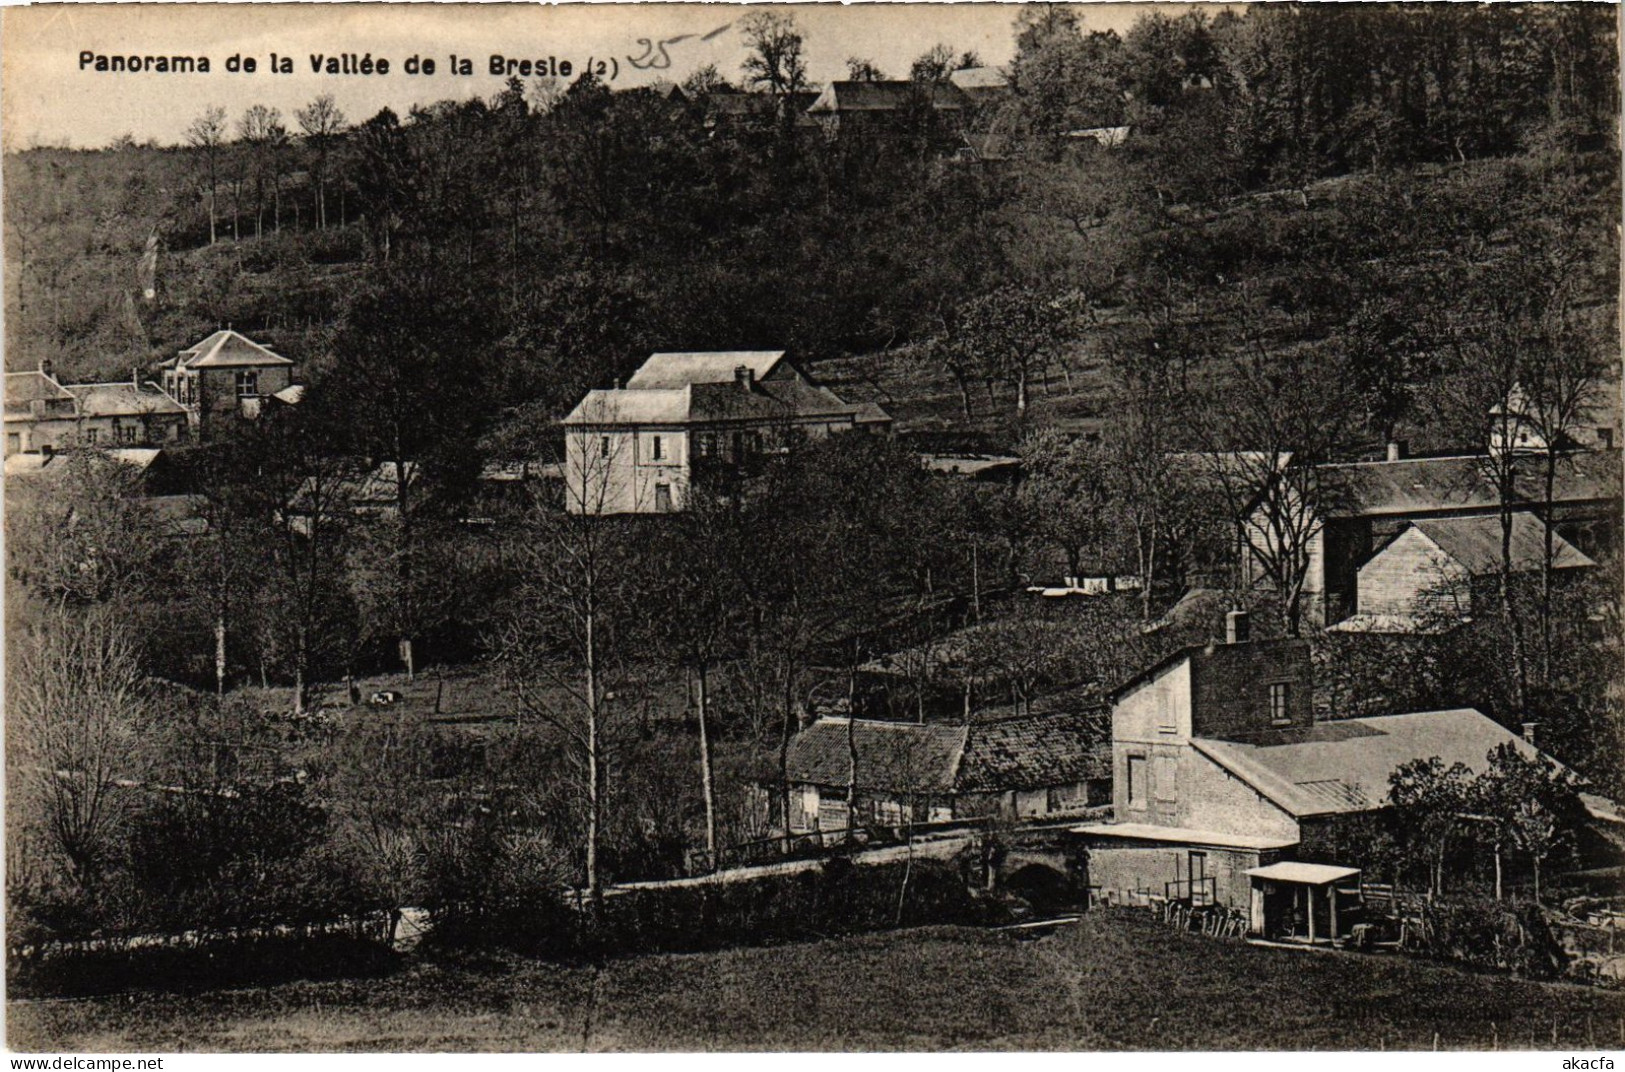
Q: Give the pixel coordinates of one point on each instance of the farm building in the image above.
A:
(1029, 767)
(687, 417)
(1221, 770)
(1433, 572)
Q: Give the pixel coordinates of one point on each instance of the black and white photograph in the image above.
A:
(785, 528)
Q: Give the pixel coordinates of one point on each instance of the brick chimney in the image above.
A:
(1529, 731)
(744, 376)
(1237, 627)
(1396, 450)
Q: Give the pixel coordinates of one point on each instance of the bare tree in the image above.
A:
(77, 706)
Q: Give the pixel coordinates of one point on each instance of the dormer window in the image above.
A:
(1280, 711)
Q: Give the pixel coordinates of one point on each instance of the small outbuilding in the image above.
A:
(1299, 902)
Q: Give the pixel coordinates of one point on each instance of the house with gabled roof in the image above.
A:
(687, 417)
(224, 376)
(888, 106)
(1029, 767)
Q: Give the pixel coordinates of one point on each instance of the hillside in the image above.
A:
(1117, 981)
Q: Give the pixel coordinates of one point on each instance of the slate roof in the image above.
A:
(1343, 766)
(32, 386)
(230, 349)
(1424, 485)
(1579, 476)
(970, 79)
(123, 399)
(682, 369)
(1475, 542)
(1029, 752)
(887, 96)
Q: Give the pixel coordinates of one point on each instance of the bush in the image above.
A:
(1490, 934)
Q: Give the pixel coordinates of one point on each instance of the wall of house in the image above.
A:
(1211, 798)
(1412, 577)
(625, 478)
(1152, 724)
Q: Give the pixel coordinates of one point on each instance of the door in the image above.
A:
(662, 498)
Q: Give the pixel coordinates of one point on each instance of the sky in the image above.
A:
(49, 98)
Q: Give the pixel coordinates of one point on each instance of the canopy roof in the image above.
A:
(1303, 874)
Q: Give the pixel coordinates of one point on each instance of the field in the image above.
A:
(1116, 981)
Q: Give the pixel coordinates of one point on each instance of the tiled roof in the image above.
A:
(898, 757)
(229, 349)
(682, 369)
(1475, 542)
(888, 96)
(1344, 766)
(1035, 752)
(123, 400)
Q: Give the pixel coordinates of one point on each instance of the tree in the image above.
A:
(1528, 802)
(1066, 496)
(262, 132)
(859, 69)
(775, 64)
(934, 65)
(208, 132)
(1015, 329)
(698, 604)
(323, 123)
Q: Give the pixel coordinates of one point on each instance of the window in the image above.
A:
(603, 447)
(663, 503)
(1165, 713)
(1167, 769)
(656, 449)
(1605, 438)
(127, 433)
(248, 384)
(704, 443)
(1136, 781)
(1280, 715)
(92, 435)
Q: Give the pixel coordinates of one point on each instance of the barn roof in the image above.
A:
(1475, 542)
(1344, 766)
(681, 369)
(230, 349)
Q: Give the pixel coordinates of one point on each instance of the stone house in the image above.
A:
(43, 416)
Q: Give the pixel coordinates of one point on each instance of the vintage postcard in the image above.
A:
(742, 527)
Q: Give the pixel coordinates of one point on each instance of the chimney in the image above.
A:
(47, 368)
(618, 383)
(1236, 628)
(744, 376)
(135, 378)
(1529, 731)
(1396, 450)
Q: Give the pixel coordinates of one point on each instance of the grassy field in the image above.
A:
(1118, 980)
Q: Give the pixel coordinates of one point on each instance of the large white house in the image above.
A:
(684, 417)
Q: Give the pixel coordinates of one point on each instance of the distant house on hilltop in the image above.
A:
(687, 417)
